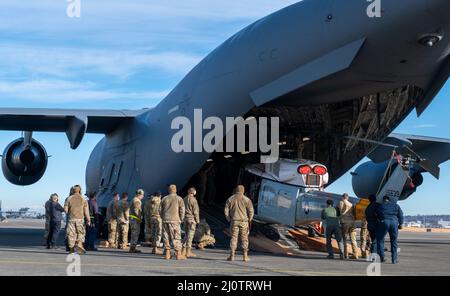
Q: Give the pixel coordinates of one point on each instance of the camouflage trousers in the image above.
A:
(76, 232)
(153, 231)
(47, 228)
(348, 229)
(148, 231)
(365, 238)
(112, 233)
(172, 236)
(123, 234)
(189, 231)
(206, 240)
(239, 230)
(135, 230)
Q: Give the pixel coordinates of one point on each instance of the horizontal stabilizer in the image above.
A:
(430, 151)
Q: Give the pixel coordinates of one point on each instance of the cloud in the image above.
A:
(20, 60)
(134, 22)
(117, 50)
(168, 9)
(426, 125)
(62, 91)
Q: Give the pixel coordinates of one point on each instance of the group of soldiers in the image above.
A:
(163, 218)
(379, 220)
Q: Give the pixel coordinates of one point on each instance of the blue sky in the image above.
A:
(130, 54)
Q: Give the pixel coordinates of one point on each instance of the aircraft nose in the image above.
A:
(439, 8)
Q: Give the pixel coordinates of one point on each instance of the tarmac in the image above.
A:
(22, 254)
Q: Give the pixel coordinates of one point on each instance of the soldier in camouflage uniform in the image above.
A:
(239, 212)
(136, 220)
(191, 219)
(172, 213)
(203, 236)
(112, 213)
(77, 209)
(153, 218)
(147, 224)
(123, 219)
(365, 238)
(347, 219)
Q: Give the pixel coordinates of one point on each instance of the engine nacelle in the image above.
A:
(24, 164)
(367, 179)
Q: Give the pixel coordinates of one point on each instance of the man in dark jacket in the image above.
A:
(47, 207)
(55, 214)
(390, 220)
(372, 222)
(91, 230)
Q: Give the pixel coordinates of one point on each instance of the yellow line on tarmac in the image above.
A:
(250, 268)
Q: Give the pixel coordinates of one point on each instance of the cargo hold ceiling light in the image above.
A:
(430, 39)
(227, 156)
(306, 139)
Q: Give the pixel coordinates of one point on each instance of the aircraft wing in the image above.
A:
(74, 122)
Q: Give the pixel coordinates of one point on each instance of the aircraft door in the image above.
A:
(117, 177)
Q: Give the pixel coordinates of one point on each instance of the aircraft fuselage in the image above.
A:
(285, 44)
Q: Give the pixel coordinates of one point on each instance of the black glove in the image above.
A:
(400, 226)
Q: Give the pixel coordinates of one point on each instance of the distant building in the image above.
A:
(416, 224)
(1, 213)
(444, 224)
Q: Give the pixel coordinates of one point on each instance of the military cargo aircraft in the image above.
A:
(339, 79)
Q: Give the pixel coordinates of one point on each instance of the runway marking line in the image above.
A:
(250, 268)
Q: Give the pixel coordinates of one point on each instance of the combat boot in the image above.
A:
(167, 255)
(189, 253)
(184, 251)
(200, 246)
(134, 250)
(180, 255)
(81, 250)
(246, 258)
(71, 250)
(231, 257)
(156, 251)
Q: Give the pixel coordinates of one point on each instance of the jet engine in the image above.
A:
(370, 177)
(24, 161)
